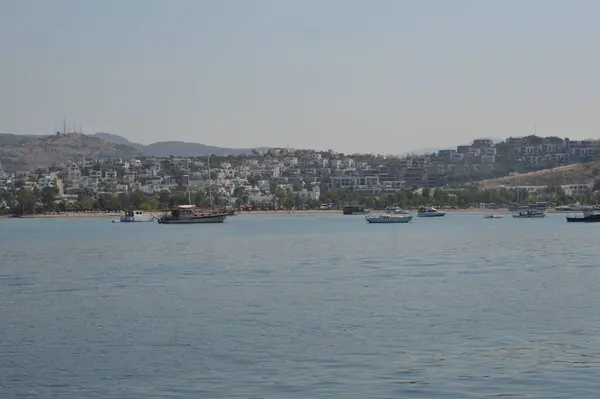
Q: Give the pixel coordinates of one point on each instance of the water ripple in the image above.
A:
(299, 306)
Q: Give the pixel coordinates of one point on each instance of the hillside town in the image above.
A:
(262, 178)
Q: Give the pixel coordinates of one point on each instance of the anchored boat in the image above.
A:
(191, 214)
(590, 216)
(429, 212)
(530, 214)
(397, 216)
(135, 216)
(187, 214)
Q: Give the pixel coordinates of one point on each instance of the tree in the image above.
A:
(27, 201)
(150, 205)
(239, 191)
(136, 198)
(163, 198)
(48, 196)
(426, 192)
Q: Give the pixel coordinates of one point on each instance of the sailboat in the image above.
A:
(190, 213)
(518, 207)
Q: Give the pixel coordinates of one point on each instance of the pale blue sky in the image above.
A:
(381, 76)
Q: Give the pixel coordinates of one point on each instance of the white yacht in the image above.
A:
(429, 212)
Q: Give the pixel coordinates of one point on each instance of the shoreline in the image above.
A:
(241, 213)
(64, 215)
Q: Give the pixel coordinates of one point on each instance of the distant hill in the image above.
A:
(175, 148)
(19, 152)
(116, 139)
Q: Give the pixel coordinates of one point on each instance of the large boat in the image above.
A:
(574, 207)
(186, 214)
(354, 210)
(398, 215)
(135, 216)
(530, 214)
(429, 212)
(589, 216)
(191, 214)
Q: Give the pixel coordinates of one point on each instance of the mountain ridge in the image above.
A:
(19, 152)
(175, 148)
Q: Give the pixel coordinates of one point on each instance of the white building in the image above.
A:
(46, 181)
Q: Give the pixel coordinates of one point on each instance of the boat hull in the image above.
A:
(430, 214)
(585, 219)
(129, 219)
(529, 216)
(218, 218)
(405, 219)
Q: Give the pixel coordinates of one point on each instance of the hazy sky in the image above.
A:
(381, 76)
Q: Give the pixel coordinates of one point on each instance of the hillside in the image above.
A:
(116, 139)
(568, 174)
(175, 148)
(37, 151)
(7, 139)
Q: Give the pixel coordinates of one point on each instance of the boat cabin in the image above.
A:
(134, 213)
(179, 211)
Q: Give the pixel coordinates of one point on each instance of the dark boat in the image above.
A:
(588, 217)
(188, 214)
(354, 210)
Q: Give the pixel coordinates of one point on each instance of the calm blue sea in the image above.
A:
(300, 306)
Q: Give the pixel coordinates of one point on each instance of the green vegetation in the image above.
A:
(46, 200)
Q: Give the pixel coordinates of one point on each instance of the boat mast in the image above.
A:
(209, 183)
(187, 166)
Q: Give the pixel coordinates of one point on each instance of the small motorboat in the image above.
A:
(396, 216)
(492, 217)
(429, 212)
(135, 216)
(530, 214)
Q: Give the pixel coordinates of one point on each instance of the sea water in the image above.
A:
(300, 306)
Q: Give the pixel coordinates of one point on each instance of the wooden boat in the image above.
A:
(190, 214)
